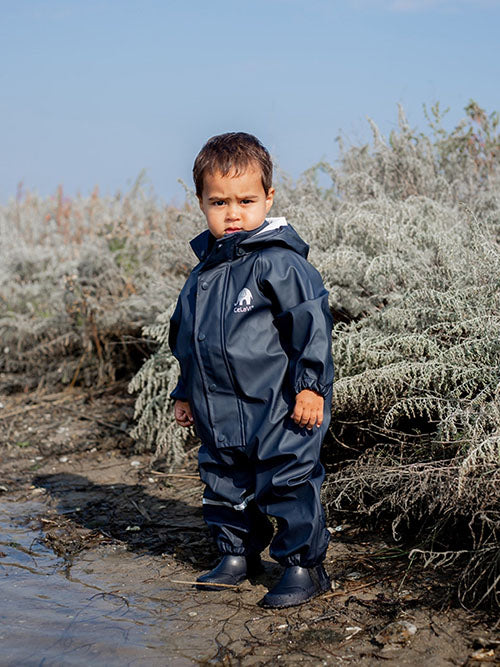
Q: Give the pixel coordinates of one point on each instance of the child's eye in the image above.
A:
(220, 202)
(246, 201)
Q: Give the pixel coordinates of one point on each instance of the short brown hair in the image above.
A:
(232, 151)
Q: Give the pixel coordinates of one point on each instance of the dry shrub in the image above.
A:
(156, 427)
(416, 403)
(79, 278)
(407, 239)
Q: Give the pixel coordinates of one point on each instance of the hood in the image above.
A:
(273, 231)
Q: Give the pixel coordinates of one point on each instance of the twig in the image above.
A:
(353, 590)
(191, 450)
(173, 474)
(27, 408)
(54, 397)
(141, 510)
(103, 594)
(95, 419)
(324, 617)
(202, 583)
(77, 371)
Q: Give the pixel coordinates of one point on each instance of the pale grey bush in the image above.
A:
(80, 278)
(418, 374)
(407, 240)
(156, 426)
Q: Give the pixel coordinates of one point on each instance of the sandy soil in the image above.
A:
(120, 516)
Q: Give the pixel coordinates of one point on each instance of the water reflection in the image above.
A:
(48, 619)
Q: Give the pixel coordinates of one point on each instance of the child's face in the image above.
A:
(235, 203)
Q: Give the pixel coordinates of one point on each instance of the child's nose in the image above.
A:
(233, 212)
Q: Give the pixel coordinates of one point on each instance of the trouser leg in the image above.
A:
(229, 509)
(288, 482)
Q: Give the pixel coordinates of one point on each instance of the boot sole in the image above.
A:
(285, 605)
(215, 584)
(220, 586)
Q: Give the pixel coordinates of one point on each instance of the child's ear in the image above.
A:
(269, 199)
(200, 203)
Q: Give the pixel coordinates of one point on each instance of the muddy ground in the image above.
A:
(112, 513)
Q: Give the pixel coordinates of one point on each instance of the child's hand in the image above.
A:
(183, 414)
(308, 409)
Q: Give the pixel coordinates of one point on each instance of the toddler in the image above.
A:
(252, 334)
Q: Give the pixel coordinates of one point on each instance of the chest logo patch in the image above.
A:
(244, 301)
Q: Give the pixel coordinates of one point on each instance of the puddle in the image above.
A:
(117, 604)
(87, 615)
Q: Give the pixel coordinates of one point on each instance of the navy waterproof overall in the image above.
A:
(251, 329)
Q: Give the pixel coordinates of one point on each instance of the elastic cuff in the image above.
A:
(301, 562)
(178, 395)
(231, 551)
(312, 384)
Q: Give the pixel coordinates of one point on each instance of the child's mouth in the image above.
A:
(231, 230)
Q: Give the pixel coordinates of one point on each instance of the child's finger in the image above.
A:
(297, 414)
(305, 417)
(183, 417)
(313, 420)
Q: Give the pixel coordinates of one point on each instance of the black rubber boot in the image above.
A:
(231, 570)
(296, 586)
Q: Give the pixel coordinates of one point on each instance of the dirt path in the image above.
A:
(120, 524)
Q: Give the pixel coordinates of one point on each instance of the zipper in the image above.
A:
(197, 357)
(224, 355)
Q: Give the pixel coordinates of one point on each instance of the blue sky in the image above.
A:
(92, 92)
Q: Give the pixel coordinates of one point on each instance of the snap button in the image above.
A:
(221, 438)
(212, 387)
(201, 336)
(240, 252)
(204, 285)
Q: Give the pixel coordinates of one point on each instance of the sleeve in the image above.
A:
(179, 393)
(303, 319)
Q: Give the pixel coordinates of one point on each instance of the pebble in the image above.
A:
(135, 463)
(483, 655)
(63, 459)
(397, 632)
(193, 613)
